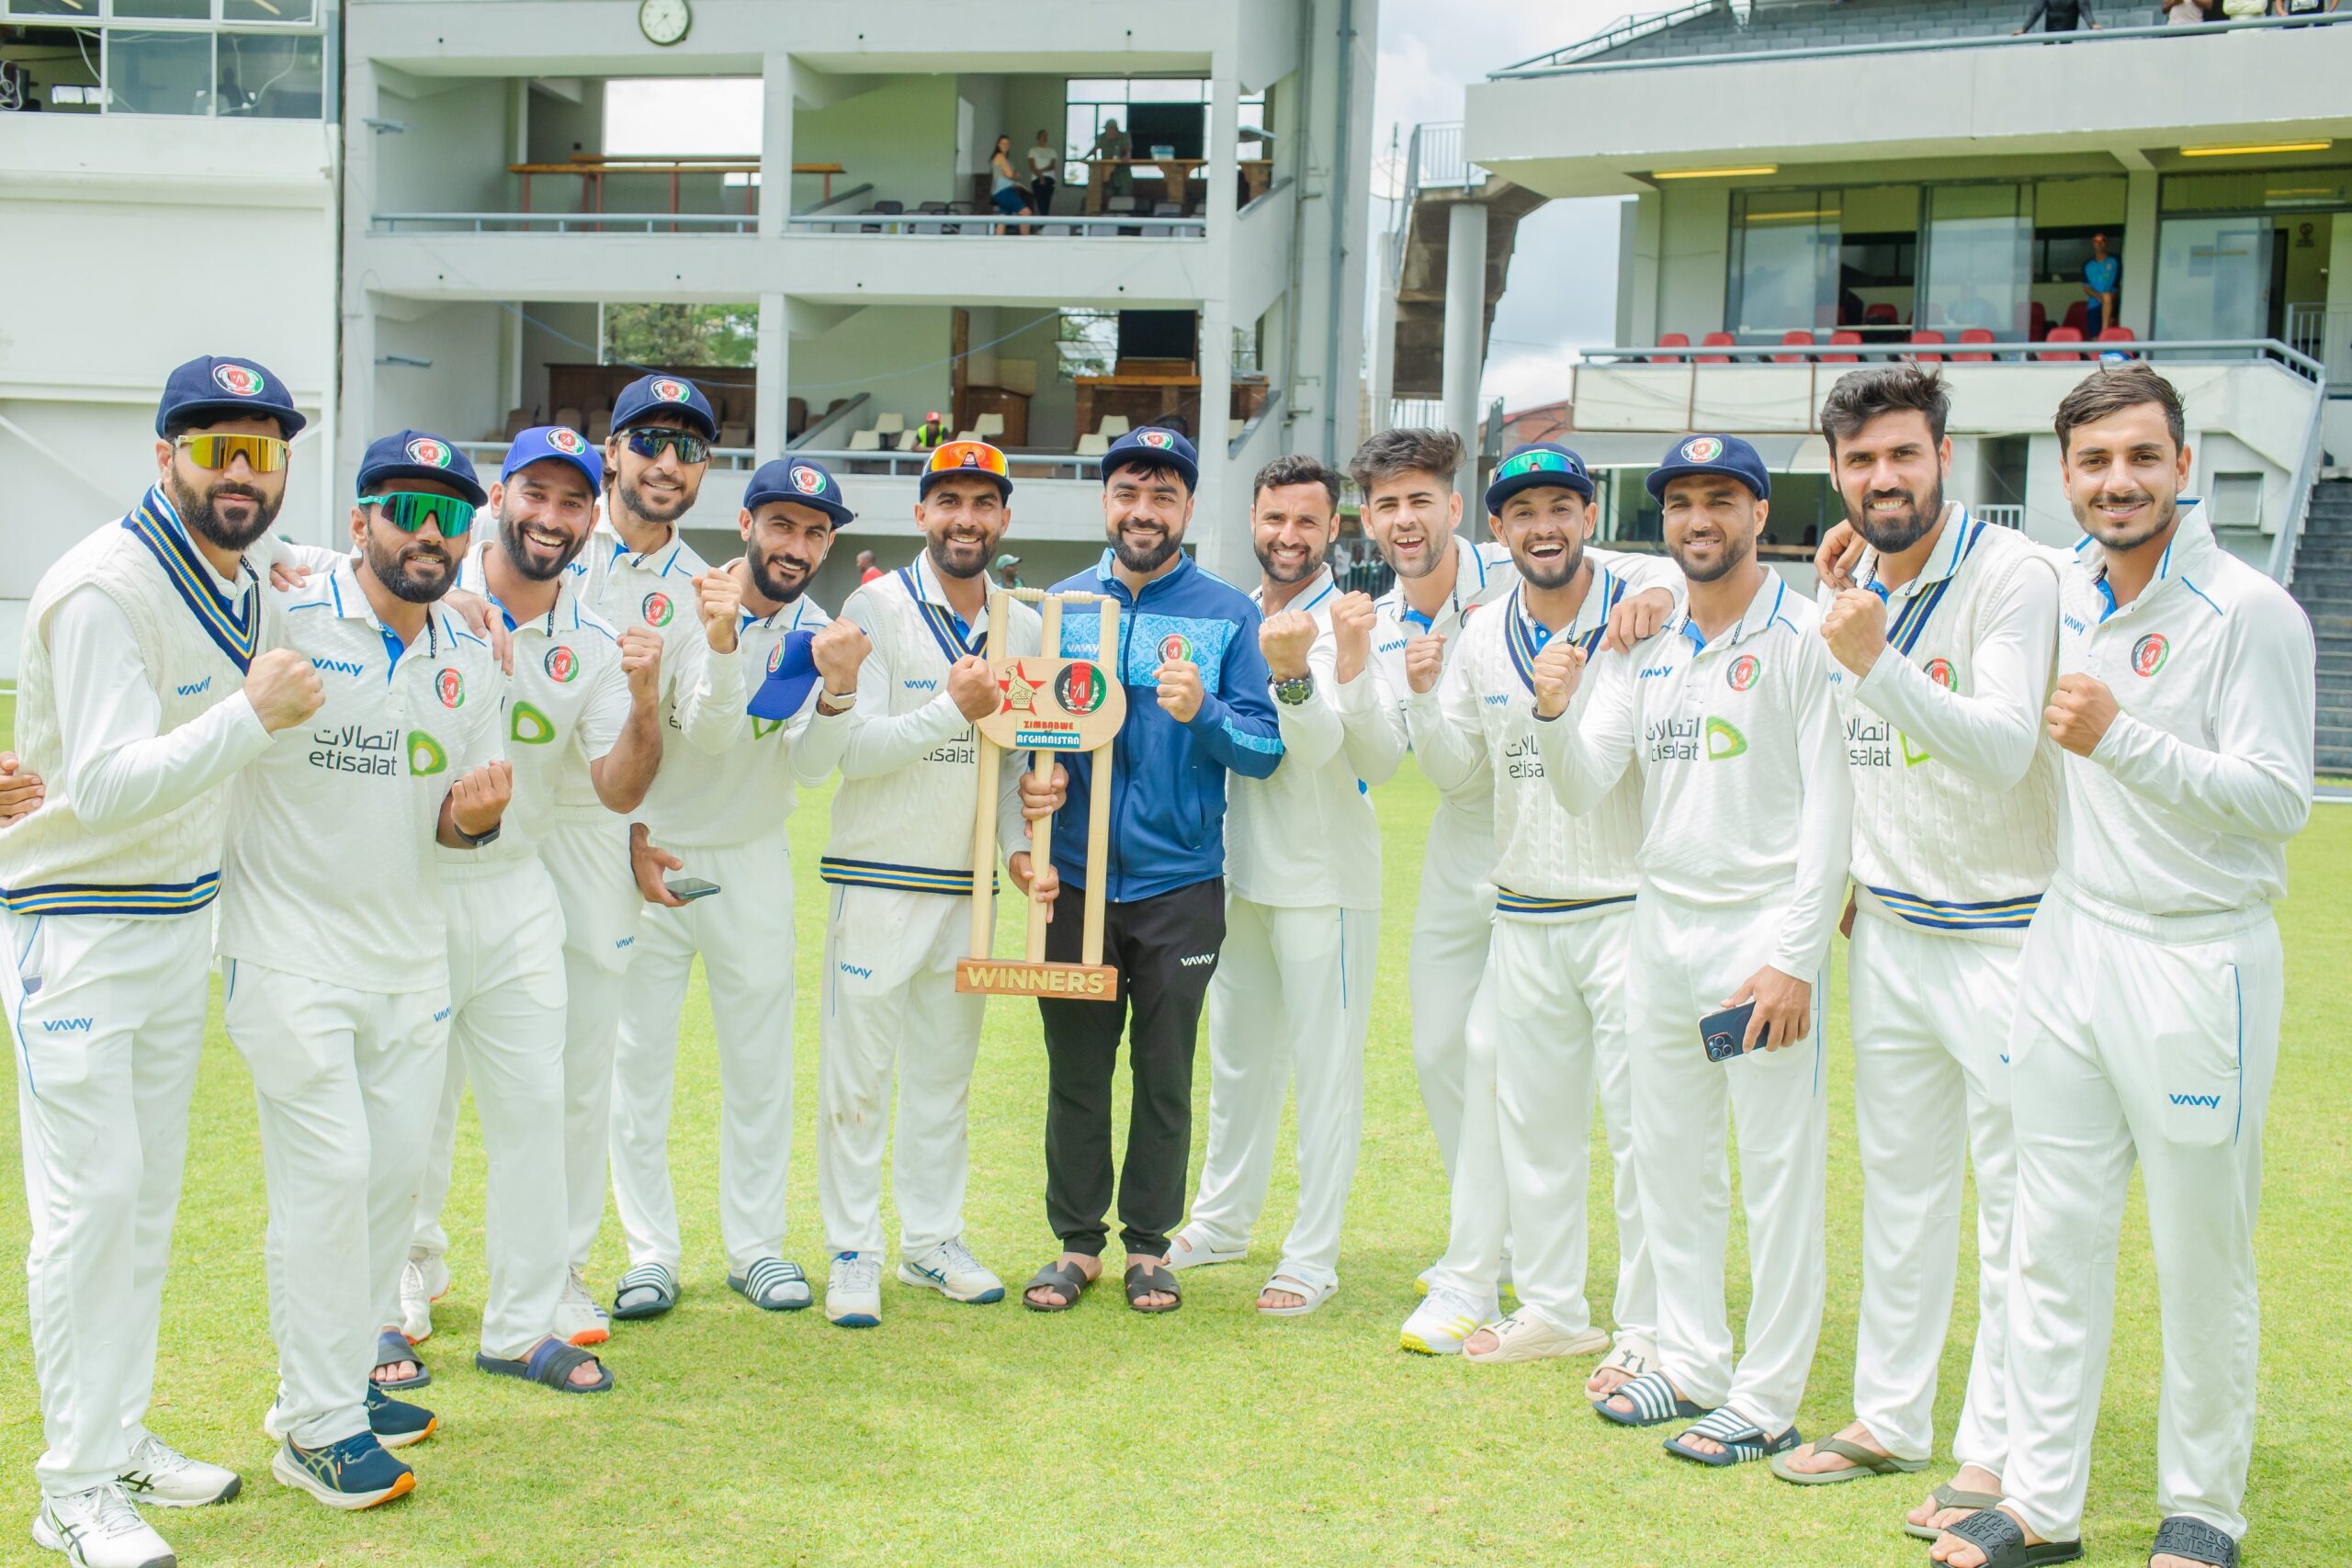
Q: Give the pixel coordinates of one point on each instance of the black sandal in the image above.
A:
(1068, 1278)
(1148, 1278)
(2181, 1536)
(2001, 1540)
(549, 1364)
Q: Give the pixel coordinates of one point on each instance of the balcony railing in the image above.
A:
(564, 223)
(1572, 60)
(963, 223)
(2324, 332)
(994, 223)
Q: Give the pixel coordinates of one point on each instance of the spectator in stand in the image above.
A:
(866, 568)
(2101, 275)
(2183, 13)
(1114, 147)
(2058, 17)
(1005, 190)
(2303, 7)
(1045, 171)
(931, 432)
(1005, 575)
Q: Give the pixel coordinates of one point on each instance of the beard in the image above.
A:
(417, 573)
(1736, 553)
(960, 559)
(2161, 516)
(764, 569)
(198, 510)
(1286, 575)
(1549, 575)
(1892, 535)
(1143, 556)
(634, 498)
(530, 560)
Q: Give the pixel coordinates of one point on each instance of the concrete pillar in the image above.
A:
(2136, 301)
(773, 376)
(355, 412)
(1637, 267)
(775, 145)
(1384, 327)
(1220, 530)
(1466, 330)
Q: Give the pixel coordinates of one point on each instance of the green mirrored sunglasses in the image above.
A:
(409, 510)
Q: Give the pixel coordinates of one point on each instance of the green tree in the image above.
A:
(679, 335)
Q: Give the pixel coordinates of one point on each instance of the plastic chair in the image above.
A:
(889, 424)
(1973, 335)
(2062, 335)
(1850, 339)
(1671, 339)
(990, 426)
(1880, 315)
(734, 436)
(910, 441)
(1093, 446)
(599, 425)
(1717, 340)
(968, 435)
(1114, 425)
(865, 441)
(569, 418)
(1924, 336)
(2039, 328)
(1794, 337)
(2117, 335)
(2078, 316)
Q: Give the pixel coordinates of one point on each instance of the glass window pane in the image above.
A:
(1787, 277)
(159, 72)
(86, 9)
(1980, 261)
(1162, 90)
(2214, 277)
(2253, 190)
(164, 10)
(268, 10)
(270, 75)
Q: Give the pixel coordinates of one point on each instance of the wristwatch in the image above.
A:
(833, 707)
(1295, 691)
(474, 840)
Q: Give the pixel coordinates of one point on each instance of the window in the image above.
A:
(1088, 342)
(2257, 190)
(1093, 104)
(253, 58)
(1980, 250)
(1784, 262)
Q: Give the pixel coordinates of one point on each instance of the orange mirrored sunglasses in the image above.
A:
(264, 453)
(978, 455)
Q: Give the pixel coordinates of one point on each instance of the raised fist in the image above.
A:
(282, 689)
(1283, 638)
(1352, 623)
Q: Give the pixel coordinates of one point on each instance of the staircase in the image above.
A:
(2323, 585)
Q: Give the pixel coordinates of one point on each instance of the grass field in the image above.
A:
(993, 1434)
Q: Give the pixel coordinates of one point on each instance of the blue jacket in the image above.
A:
(1167, 779)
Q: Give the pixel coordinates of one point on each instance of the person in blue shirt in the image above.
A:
(2101, 274)
(1199, 705)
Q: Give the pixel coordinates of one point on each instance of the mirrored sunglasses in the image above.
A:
(652, 440)
(409, 510)
(1535, 463)
(263, 454)
(976, 455)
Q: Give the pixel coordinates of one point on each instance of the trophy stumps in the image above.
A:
(1051, 705)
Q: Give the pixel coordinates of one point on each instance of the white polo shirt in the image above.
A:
(656, 589)
(903, 818)
(736, 783)
(1305, 835)
(566, 705)
(2188, 802)
(331, 872)
(1745, 791)
(1477, 729)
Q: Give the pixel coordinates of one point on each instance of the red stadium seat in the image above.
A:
(1880, 315)
(1924, 336)
(1795, 337)
(1973, 335)
(1717, 340)
(2039, 328)
(1671, 339)
(1837, 338)
(2064, 334)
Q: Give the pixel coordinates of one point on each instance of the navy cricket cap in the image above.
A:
(801, 480)
(792, 675)
(1725, 454)
(1532, 467)
(221, 387)
(649, 395)
(415, 454)
(561, 444)
(1158, 446)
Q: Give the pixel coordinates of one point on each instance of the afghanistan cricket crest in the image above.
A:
(1048, 704)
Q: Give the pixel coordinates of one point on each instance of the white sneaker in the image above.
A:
(1443, 1320)
(579, 1320)
(1526, 1336)
(952, 1270)
(422, 1284)
(163, 1477)
(853, 1290)
(99, 1529)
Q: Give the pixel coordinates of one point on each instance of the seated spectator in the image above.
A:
(1005, 192)
(2058, 17)
(867, 569)
(931, 432)
(1045, 170)
(2183, 14)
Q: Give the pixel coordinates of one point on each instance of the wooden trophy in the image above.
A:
(1051, 705)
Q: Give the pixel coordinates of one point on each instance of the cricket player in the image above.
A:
(2147, 1017)
(144, 684)
(726, 808)
(1293, 993)
(1549, 1023)
(636, 570)
(583, 703)
(898, 862)
(1943, 643)
(1746, 824)
(335, 963)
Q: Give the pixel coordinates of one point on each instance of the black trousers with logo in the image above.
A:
(1165, 949)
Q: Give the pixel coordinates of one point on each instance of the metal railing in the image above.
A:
(2324, 332)
(2004, 514)
(564, 223)
(907, 465)
(1910, 46)
(1617, 34)
(995, 222)
(2136, 348)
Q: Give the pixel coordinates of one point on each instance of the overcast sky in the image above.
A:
(1562, 289)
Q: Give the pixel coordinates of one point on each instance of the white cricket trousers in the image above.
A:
(1692, 957)
(587, 856)
(2153, 1037)
(1451, 926)
(1931, 1014)
(1291, 997)
(890, 1007)
(1547, 1029)
(744, 935)
(506, 1035)
(108, 1015)
(346, 1082)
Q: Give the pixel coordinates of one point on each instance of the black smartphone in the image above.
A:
(1725, 1033)
(686, 889)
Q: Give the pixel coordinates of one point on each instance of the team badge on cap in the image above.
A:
(775, 659)
(1154, 438)
(2149, 653)
(1702, 449)
(237, 381)
(806, 480)
(561, 663)
(567, 441)
(431, 453)
(657, 609)
(450, 687)
(671, 392)
(1744, 671)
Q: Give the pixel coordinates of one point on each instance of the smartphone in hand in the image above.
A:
(1723, 1034)
(686, 889)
